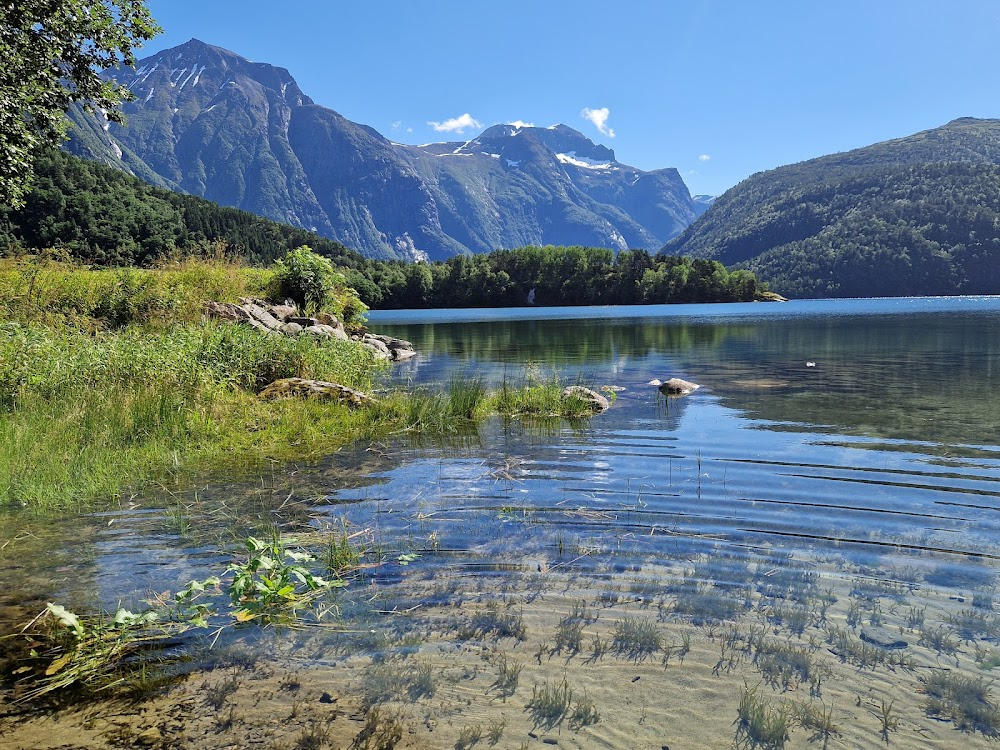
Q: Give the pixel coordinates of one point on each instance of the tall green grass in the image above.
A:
(83, 416)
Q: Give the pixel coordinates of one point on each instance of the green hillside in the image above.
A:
(103, 216)
(913, 216)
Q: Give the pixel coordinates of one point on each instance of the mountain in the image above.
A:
(912, 216)
(702, 203)
(211, 123)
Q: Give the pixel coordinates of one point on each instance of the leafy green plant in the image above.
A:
(272, 583)
(307, 278)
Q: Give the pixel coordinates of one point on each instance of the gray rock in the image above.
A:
(677, 387)
(291, 329)
(882, 637)
(593, 399)
(284, 312)
(376, 345)
(261, 315)
(227, 311)
(304, 322)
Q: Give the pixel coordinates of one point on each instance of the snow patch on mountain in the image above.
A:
(583, 162)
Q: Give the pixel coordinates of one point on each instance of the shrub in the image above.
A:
(306, 278)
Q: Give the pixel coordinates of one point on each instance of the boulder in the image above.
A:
(303, 321)
(291, 329)
(398, 348)
(882, 637)
(227, 311)
(593, 399)
(262, 316)
(676, 387)
(300, 387)
(284, 312)
(376, 345)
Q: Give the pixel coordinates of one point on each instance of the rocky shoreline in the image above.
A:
(285, 320)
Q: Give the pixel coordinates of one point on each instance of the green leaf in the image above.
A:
(66, 618)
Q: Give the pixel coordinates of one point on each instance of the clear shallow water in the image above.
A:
(868, 484)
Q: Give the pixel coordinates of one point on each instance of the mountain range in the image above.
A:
(918, 215)
(209, 122)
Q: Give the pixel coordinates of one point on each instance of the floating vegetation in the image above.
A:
(89, 653)
(963, 699)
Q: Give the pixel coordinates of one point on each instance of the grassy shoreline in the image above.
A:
(110, 379)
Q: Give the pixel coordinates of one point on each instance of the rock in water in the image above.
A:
(678, 387)
(594, 400)
(882, 637)
(289, 387)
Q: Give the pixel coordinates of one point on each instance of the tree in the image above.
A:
(53, 53)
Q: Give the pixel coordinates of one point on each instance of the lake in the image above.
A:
(801, 553)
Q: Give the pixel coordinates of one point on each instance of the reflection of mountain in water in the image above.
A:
(922, 377)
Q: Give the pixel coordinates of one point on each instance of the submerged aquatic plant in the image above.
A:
(759, 724)
(93, 654)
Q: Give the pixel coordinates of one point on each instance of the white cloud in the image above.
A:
(599, 117)
(456, 124)
(704, 157)
(397, 125)
(522, 124)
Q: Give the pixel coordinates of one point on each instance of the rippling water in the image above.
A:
(841, 454)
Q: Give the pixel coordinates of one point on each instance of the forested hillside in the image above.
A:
(913, 216)
(103, 216)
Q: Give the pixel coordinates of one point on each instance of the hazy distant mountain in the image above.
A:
(702, 203)
(911, 216)
(212, 123)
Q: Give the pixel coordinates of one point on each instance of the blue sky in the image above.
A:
(719, 89)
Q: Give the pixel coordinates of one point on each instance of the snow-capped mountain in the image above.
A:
(212, 123)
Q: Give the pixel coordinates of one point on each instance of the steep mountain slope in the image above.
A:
(911, 216)
(209, 122)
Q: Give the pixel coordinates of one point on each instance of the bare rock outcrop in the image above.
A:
(300, 387)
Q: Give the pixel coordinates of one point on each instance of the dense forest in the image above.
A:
(914, 216)
(102, 216)
(557, 275)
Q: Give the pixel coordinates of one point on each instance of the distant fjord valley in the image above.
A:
(918, 215)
